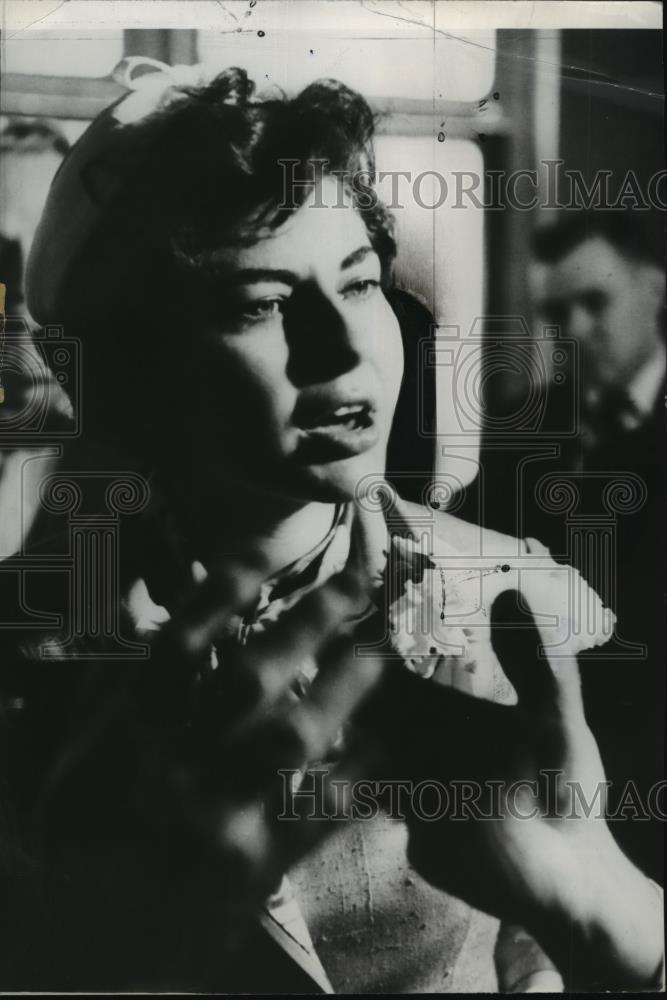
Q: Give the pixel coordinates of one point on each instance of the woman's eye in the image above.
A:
(261, 310)
(361, 289)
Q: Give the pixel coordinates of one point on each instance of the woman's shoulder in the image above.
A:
(477, 565)
(465, 537)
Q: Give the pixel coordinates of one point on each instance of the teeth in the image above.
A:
(344, 411)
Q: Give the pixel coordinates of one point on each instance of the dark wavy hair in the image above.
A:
(239, 186)
(630, 233)
(212, 176)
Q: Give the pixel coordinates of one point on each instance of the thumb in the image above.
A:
(547, 683)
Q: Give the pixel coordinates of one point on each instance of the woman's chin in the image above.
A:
(341, 480)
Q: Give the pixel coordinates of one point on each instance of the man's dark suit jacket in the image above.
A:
(624, 694)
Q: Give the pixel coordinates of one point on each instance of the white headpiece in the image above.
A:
(119, 137)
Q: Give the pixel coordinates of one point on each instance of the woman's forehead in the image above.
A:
(324, 231)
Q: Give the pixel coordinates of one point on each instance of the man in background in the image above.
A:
(593, 470)
(599, 279)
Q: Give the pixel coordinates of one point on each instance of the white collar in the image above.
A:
(643, 389)
(639, 396)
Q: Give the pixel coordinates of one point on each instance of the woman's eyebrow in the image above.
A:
(356, 256)
(249, 275)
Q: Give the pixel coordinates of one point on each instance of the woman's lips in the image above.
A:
(338, 432)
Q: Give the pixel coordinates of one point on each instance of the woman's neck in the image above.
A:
(260, 529)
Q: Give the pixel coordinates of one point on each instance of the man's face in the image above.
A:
(605, 302)
(295, 384)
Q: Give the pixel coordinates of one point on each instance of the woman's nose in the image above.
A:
(322, 341)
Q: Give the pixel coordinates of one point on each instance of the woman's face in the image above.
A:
(293, 388)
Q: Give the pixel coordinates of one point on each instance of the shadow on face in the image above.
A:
(290, 376)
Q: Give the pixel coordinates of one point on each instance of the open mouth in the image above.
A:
(352, 417)
(337, 431)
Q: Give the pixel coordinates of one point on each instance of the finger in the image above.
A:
(266, 669)
(306, 731)
(303, 817)
(229, 590)
(516, 643)
(344, 682)
(437, 732)
(547, 684)
(164, 687)
(259, 842)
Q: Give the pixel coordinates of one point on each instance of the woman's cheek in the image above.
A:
(390, 352)
(254, 357)
(256, 375)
